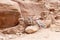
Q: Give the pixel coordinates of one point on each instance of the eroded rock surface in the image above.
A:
(9, 14)
(47, 11)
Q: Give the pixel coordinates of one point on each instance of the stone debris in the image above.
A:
(32, 29)
(40, 23)
(30, 15)
(44, 24)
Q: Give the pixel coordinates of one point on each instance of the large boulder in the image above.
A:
(9, 13)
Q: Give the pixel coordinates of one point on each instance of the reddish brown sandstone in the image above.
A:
(9, 14)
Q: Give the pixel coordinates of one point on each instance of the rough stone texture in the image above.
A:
(30, 11)
(31, 29)
(45, 9)
(9, 13)
(30, 8)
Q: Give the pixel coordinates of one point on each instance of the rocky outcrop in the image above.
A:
(42, 13)
(9, 13)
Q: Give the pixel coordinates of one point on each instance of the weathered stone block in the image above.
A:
(9, 14)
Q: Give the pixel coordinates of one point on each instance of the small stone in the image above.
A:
(40, 23)
(31, 29)
(43, 24)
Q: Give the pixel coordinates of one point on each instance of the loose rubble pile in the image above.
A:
(19, 16)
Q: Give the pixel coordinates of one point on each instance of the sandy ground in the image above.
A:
(43, 34)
